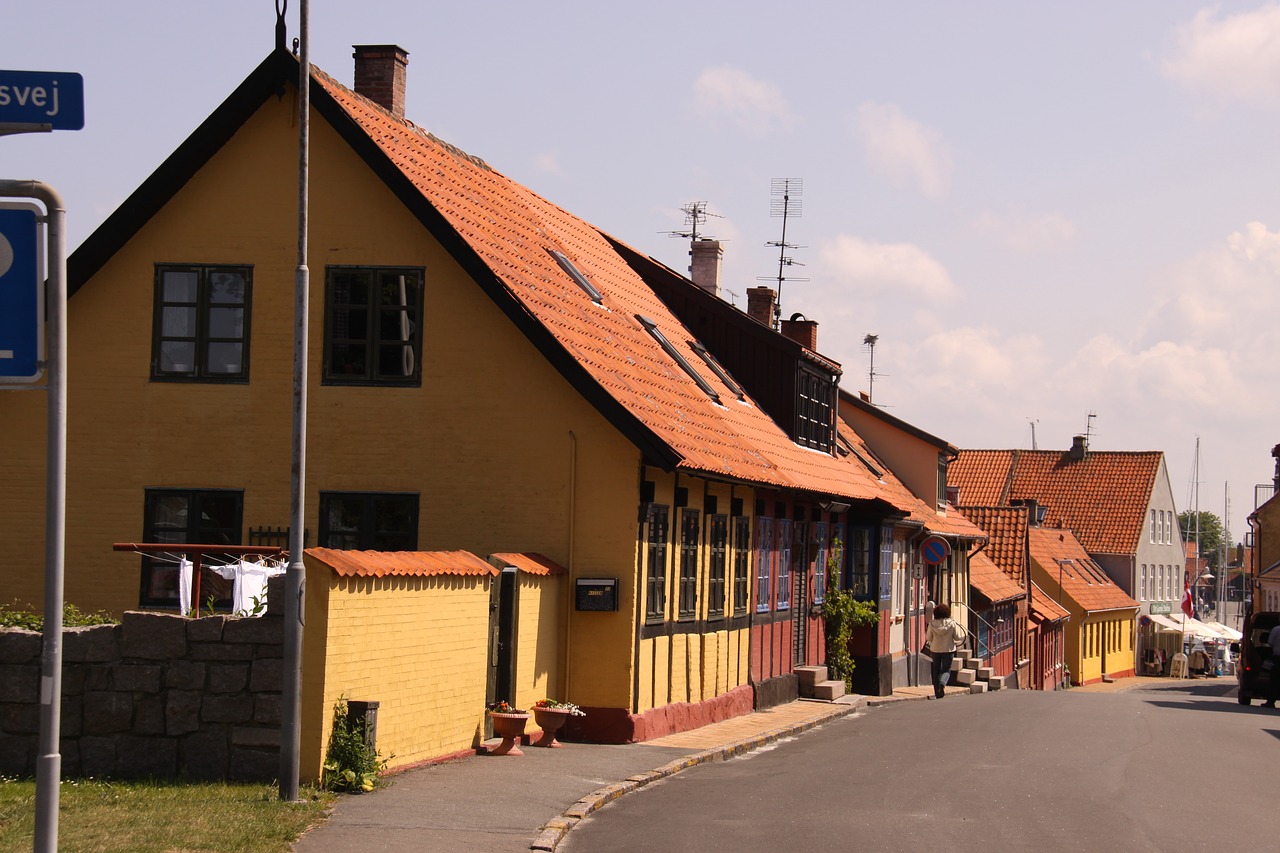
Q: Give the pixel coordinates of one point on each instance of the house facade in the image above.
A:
(487, 372)
(1263, 582)
(1118, 504)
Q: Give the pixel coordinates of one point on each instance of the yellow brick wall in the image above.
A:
(417, 645)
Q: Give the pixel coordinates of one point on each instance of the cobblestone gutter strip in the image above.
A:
(554, 831)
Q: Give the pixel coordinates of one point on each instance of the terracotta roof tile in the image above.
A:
(1006, 529)
(531, 563)
(1061, 555)
(400, 563)
(1102, 498)
(513, 232)
(1044, 608)
(987, 578)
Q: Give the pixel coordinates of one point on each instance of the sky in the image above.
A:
(1056, 217)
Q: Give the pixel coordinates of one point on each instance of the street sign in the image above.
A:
(21, 295)
(934, 550)
(41, 100)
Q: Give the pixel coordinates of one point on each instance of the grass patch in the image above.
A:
(159, 817)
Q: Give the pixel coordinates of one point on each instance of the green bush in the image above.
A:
(843, 612)
(12, 616)
(350, 764)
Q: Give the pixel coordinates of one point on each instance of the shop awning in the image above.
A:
(1185, 625)
(1225, 630)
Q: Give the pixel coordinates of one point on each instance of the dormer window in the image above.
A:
(815, 405)
(578, 278)
(652, 328)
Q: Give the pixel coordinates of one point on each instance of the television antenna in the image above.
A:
(1088, 428)
(1033, 422)
(786, 203)
(695, 213)
(870, 342)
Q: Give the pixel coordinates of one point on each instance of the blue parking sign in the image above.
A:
(21, 296)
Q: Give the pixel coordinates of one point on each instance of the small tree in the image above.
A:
(1212, 534)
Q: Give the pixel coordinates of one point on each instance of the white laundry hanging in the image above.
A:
(249, 584)
(185, 603)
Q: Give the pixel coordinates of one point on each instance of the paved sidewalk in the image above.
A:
(507, 804)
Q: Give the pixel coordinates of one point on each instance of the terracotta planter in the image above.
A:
(550, 720)
(509, 727)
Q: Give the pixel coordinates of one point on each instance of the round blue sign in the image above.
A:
(934, 550)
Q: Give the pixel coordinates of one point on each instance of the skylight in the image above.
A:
(652, 328)
(718, 369)
(577, 276)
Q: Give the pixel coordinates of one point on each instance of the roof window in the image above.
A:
(652, 328)
(718, 369)
(577, 276)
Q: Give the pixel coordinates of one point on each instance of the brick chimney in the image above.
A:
(1079, 448)
(380, 75)
(760, 302)
(704, 267)
(802, 330)
(1275, 451)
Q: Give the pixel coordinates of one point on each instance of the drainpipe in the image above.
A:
(573, 512)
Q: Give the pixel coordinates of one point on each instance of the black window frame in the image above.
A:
(367, 536)
(658, 523)
(202, 337)
(229, 532)
(741, 564)
(717, 564)
(373, 342)
(860, 561)
(690, 536)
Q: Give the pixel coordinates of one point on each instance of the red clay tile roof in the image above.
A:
(1006, 529)
(400, 563)
(1061, 555)
(512, 232)
(1102, 498)
(987, 578)
(531, 563)
(1044, 608)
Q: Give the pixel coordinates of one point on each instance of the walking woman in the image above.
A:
(943, 638)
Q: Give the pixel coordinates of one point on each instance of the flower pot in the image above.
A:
(550, 720)
(509, 727)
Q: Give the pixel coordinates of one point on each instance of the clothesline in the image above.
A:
(194, 556)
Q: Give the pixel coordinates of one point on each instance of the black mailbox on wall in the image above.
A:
(599, 594)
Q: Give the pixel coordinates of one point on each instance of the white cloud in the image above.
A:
(904, 150)
(900, 268)
(1235, 58)
(548, 162)
(1028, 235)
(732, 93)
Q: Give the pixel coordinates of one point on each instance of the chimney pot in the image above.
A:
(381, 75)
(802, 330)
(704, 267)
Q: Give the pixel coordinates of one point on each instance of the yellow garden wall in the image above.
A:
(417, 645)
(540, 639)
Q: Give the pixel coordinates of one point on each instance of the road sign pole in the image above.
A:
(49, 759)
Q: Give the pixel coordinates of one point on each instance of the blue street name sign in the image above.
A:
(39, 100)
(21, 299)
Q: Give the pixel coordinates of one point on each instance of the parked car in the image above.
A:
(1252, 651)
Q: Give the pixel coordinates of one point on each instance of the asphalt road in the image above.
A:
(1181, 768)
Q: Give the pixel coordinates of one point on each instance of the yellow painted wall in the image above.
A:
(504, 454)
(540, 639)
(417, 645)
(693, 667)
(1086, 633)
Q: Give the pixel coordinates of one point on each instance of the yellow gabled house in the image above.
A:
(487, 373)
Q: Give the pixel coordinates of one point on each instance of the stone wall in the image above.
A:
(157, 696)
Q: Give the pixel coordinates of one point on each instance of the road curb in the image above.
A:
(554, 831)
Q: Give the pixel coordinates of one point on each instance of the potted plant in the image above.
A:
(551, 715)
(508, 724)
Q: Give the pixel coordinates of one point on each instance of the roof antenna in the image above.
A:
(870, 342)
(282, 6)
(695, 213)
(1033, 422)
(1088, 428)
(786, 203)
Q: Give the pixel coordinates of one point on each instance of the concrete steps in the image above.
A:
(814, 684)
